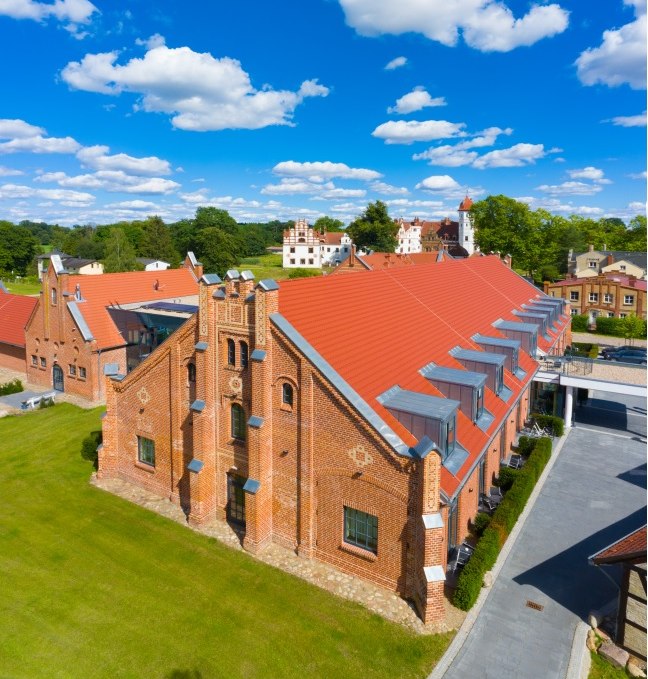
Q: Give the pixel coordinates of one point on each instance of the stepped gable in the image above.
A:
(393, 322)
(15, 311)
(114, 289)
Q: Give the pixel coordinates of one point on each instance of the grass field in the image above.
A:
(93, 586)
(601, 669)
(23, 286)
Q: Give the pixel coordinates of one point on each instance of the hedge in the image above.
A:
(553, 423)
(579, 323)
(13, 387)
(583, 349)
(470, 580)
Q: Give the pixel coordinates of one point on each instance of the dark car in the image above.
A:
(613, 350)
(636, 355)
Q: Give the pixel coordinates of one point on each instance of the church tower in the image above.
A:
(466, 227)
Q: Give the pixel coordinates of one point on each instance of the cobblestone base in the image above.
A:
(378, 600)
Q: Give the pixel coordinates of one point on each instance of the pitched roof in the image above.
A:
(628, 548)
(15, 311)
(113, 289)
(332, 237)
(395, 321)
(389, 260)
(466, 204)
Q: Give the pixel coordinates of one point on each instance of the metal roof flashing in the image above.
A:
(211, 279)
(268, 284)
(467, 378)
(414, 403)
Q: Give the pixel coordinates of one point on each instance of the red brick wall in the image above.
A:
(12, 357)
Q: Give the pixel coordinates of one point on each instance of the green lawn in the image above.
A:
(94, 586)
(602, 669)
(23, 286)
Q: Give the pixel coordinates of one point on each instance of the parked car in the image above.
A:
(635, 355)
(612, 350)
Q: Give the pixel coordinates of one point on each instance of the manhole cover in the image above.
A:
(534, 606)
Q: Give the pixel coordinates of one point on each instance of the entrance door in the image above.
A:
(57, 377)
(235, 499)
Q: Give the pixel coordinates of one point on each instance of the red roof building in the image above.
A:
(15, 311)
(355, 419)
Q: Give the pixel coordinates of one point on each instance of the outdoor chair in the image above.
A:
(515, 461)
(489, 504)
(495, 495)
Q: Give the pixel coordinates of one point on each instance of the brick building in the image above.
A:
(608, 295)
(354, 419)
(597, 262)
(84, 325)
(15, 311)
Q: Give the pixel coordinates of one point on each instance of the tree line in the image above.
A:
(537, 240)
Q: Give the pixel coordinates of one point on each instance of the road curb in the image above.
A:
(579, 659)
(460, 639)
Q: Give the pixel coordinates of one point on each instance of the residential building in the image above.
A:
(153, 264)
(306, 248)
(15, 311)
(607, 295)
(597, 262)
(74, 265)
(83, 325)
(629, 556)
(353, 419)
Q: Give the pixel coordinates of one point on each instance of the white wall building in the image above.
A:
(305, 248)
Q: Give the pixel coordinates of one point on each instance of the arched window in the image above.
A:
(287, 394)
(243, 348)
(191, 372)
(231, 352)
(238, 422)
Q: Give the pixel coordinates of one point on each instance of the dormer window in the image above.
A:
(499, 379)
(450, 435)
(478, 402)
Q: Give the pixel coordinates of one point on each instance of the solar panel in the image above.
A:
(172, 306)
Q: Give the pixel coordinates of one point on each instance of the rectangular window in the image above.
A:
(302, 261)
(607, 298)
(610, 314)
(574, 312)
(450, 435)
(82, 373)
(310, 251)
(478, 396)
(628, 299)
(499, 378)
(310, 261)
(623, 315)
(573, 296)
(622, 267)
(72, 369)
(146, 451)
(292, 261)
(592, 264)
(34, 360)
(54, 296)
(361, 529)
(593, 297)
(292, 250)
(43, 362)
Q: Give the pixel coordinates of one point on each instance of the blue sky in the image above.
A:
(118, 110)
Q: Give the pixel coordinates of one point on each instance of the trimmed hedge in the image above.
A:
(525, 446)
(507, 478)
(579, 323)
(553, 423)
(480, 524)
(470, 580)
(584, 349)
(13, 387)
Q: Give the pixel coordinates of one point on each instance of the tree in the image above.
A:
(207, 217)
(120, 254)
(328, 224)
(633, 327)
(217, 250)
(636, 234)
(17, 248)
(157, 242)
(374, 229)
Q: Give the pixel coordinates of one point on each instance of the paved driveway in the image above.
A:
(595, 494)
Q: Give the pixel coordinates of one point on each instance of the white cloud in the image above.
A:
(515, 156)
(486, 137)
(114, 181)
(133, 205)
(398, 62)
(630, 121)
(321, 171)
(97, 158)
(27, 138)
(388, 189)
(441, 182)
(416, 100)
(14, 128)
(570, 189)
(638, 175)
(156, 40)
(199, 91)
(620, 58)
(409, 131)
(75, 11)
(459, 154)
(9, 172)
(592, 173)
(333, 194)
(486, 25)
(295, 185)
(13, 191)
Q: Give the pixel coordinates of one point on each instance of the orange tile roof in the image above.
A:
(388, 260)
(332, 237)
(15, 311)
(110, 289)
(466, 204)
(392, 322)
(627, 548)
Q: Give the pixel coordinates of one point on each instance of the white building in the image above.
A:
(153, 264)
(305, 248)
(466, 226)
(409, 236)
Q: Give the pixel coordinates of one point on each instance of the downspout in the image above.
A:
(99, 376)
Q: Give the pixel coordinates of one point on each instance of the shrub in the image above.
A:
(505, 516)
(553, 423)
(506, 478)
(13, 387)
(525, 445)
(89, 446)
(585, 349)
(45, 403)
(480, 524)
(609, 326)
(579, 323)
(304, 273)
